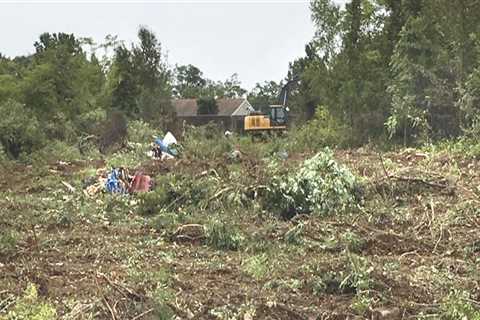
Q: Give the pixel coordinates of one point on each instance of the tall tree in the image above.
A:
(264, 95)
(139, 83)
(188, 82)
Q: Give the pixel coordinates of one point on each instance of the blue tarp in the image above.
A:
(113, 184)
(165, 148)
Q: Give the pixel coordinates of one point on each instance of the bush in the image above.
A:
(223, 236)
(206, 142)
(3, 154)
(256, 266)
(165, 222)
(141, 132)
(54, 151)
(89, 122)
(114, 131)
(30, 308)
(321, 186)
(20, 131)
(457, 306)
(322, 131)
(130, 157)
(152, 203)
(464, 147)
(174, 192)
(8, 242)
(135, 151)
(161, 298)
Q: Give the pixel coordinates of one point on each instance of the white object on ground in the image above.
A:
(166, 156)
(169, 139)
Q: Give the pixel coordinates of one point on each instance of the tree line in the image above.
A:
(71, 89)
(408, 70)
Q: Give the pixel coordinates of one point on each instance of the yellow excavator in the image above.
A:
(275, 121)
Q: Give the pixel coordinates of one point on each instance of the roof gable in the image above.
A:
(244, 109)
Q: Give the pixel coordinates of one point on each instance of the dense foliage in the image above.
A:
(376, 70)
(319, 186)
(407, 68)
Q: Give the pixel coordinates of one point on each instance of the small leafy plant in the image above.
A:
(223, 236)
(30, 307)
(256, 266)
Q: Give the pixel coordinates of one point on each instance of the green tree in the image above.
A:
(264, 95)
(232, 88)
(188, 82)
(122, 83)
(139, 81)
(20, 131)
(60, 84)
(207, 106)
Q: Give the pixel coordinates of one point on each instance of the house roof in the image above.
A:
(188, 107)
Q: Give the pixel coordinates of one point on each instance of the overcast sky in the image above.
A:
(256, 39)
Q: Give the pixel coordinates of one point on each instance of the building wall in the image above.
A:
(224, 122)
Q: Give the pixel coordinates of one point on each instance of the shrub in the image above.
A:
(53, 151)
(115, 208)
(114, 131)
(295, 235)
(141, 132)
(353, 242)
(256, 266)
(29, 307)
(3, 154)
(151, 203)
(206, 142)
(165, 222)
(321, 186)
(322, 131)
(131, 157)
(161, 297)
(223, 236)
(457, 306)
(88, 122)
(173, 193)
(464, 147)
(20, 131)
(8, 242)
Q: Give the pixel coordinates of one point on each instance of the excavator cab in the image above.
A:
(278, 115)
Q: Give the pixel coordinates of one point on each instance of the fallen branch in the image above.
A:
(383, 166)
(120, 287)
(219, 193)
(216, 195)
(104, 300)
(69, 186)
(142, 314)
(7, 303)
(418, 180)
(377, 231)
(173, 202)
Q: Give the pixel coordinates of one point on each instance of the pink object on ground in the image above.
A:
(140, 183)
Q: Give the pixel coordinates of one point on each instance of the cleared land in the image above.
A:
(410, 248)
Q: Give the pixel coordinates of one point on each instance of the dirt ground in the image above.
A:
(409, 251)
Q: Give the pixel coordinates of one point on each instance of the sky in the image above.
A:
(255, 39)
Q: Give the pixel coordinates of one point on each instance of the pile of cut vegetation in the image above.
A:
(321, 186)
